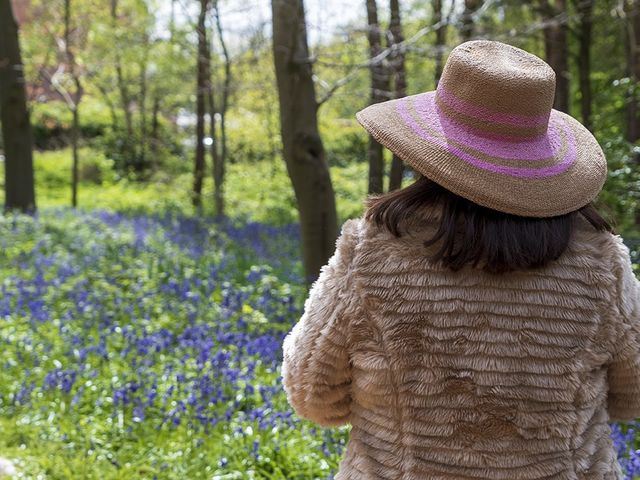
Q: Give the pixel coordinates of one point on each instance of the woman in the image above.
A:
(483, 323)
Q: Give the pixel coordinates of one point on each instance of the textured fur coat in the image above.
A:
(468, 375)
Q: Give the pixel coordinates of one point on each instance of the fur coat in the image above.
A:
(468, 374)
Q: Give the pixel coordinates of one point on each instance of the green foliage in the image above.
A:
(136, 158)
(53, 173)
(249, 141)
(51, 122)
(258, 191)
(345, 141)
(128, 74)
(620, 197)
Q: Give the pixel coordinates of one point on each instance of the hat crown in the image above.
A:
(497, 89)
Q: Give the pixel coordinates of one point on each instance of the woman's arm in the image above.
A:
(624, 368)
(316, 372)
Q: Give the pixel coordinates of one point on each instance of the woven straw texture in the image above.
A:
(489, 133)
(468, 375)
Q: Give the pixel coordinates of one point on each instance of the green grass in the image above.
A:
(65, 272)
(141, 340)
(259, 191)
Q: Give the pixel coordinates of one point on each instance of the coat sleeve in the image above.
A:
(624, 367)
(316, 370)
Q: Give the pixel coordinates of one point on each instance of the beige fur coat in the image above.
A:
(468, 375)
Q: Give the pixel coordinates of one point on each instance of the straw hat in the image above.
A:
(489, 133)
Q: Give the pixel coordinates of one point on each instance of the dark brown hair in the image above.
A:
(470, 233)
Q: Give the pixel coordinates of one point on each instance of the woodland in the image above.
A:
(176, 172)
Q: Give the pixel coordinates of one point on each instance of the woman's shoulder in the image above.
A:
(376, 243)
(603, 243)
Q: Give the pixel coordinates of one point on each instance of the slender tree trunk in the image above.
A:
(302, 145)
(632, 10)
(379, 93)
(172, 19)
(221, 159)
(399, 82)
(215, 154)
(466, 30)
(125, 96)
(441, 32)
(585, 10)
(16, 127)
(75, 129)
(632, 24)
(556, 47)
(74, 102)
(112, 108)
(155, 127)
(202, 89)
(395, 175)
(143, 117)
(216, 150)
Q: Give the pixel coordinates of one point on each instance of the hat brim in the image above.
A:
(553, 174)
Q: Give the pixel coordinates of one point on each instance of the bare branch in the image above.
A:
(58, 86)
(397, 48)
(336, 86)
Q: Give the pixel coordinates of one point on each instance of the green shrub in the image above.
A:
(259, 191)
(135, 159)
(345, 142)
(250, 140)
(620, 197)
(51, 122)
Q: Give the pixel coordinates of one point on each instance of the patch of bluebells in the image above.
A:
(157, 320)
(624, 440)
(161, 321)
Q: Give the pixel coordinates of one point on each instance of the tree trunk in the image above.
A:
(379, 93)
(125, 96)
(556, 48)
(74, 102)
(221, 159)
(141, 164)
(172, 20)
(632, 8)
(213, 131)
(632, 24)
(440, 39)
(215, 155)
(585, 10)
(202, 89)
(75, 130)
(466, 30)
(16, 127)
(399, 82)
(302, 145)
(107, 99)
(155, 128)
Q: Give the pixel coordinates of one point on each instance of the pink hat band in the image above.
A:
(485, 121)
(539, 156)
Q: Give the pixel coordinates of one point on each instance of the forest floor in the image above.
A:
(144, 342)
(148, 346)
